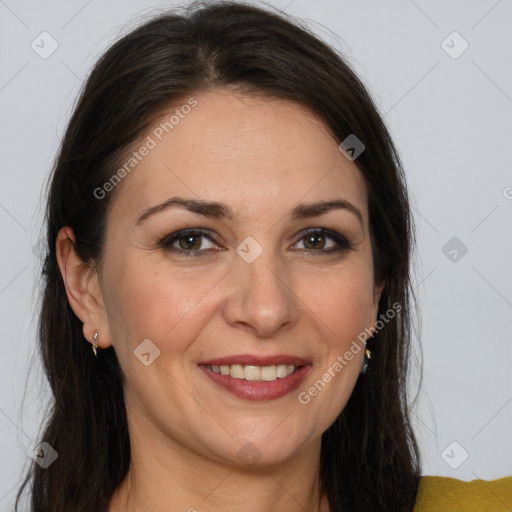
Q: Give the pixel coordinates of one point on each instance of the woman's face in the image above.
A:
(254, 287)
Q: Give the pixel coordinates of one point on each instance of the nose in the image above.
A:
(261, 298)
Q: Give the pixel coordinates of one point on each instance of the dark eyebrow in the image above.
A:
(199, 206)
(304, 211)
(221, 211)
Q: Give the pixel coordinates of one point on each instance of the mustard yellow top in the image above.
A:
(443, 494)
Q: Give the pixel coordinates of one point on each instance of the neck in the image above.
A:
(166, 475)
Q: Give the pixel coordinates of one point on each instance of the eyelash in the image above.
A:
(167, 241)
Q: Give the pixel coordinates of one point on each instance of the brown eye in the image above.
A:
(324, 241)
(188, 242)
(314, 241)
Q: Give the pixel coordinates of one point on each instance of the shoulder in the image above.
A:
(444, 494)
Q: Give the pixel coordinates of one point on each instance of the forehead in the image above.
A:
(249, 152)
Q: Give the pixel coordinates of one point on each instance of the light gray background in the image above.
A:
(451, 120)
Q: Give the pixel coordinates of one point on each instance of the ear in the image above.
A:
(83, 290)
(375, 305)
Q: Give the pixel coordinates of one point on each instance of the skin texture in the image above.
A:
(261, 157)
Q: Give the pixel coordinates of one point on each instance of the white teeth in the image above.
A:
(281, 371)
(268, 373)
(258, 373)
(237, 371)
(252, 372)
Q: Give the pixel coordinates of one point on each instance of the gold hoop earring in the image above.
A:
(95, 346)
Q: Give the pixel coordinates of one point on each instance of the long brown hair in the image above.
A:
(370, 460)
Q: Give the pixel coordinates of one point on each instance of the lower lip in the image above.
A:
(258, 390)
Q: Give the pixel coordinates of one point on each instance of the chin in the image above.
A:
(272, 444)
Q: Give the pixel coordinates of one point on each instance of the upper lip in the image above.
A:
(256, 360)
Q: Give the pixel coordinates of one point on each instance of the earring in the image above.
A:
(95, 346)
(366, 360)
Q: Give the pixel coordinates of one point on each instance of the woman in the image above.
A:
(229, 229)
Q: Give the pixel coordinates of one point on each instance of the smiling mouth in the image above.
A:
(254, 373)
(254, 382)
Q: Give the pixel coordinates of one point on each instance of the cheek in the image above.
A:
(342, 300)
(341, 313)
(154, 302)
